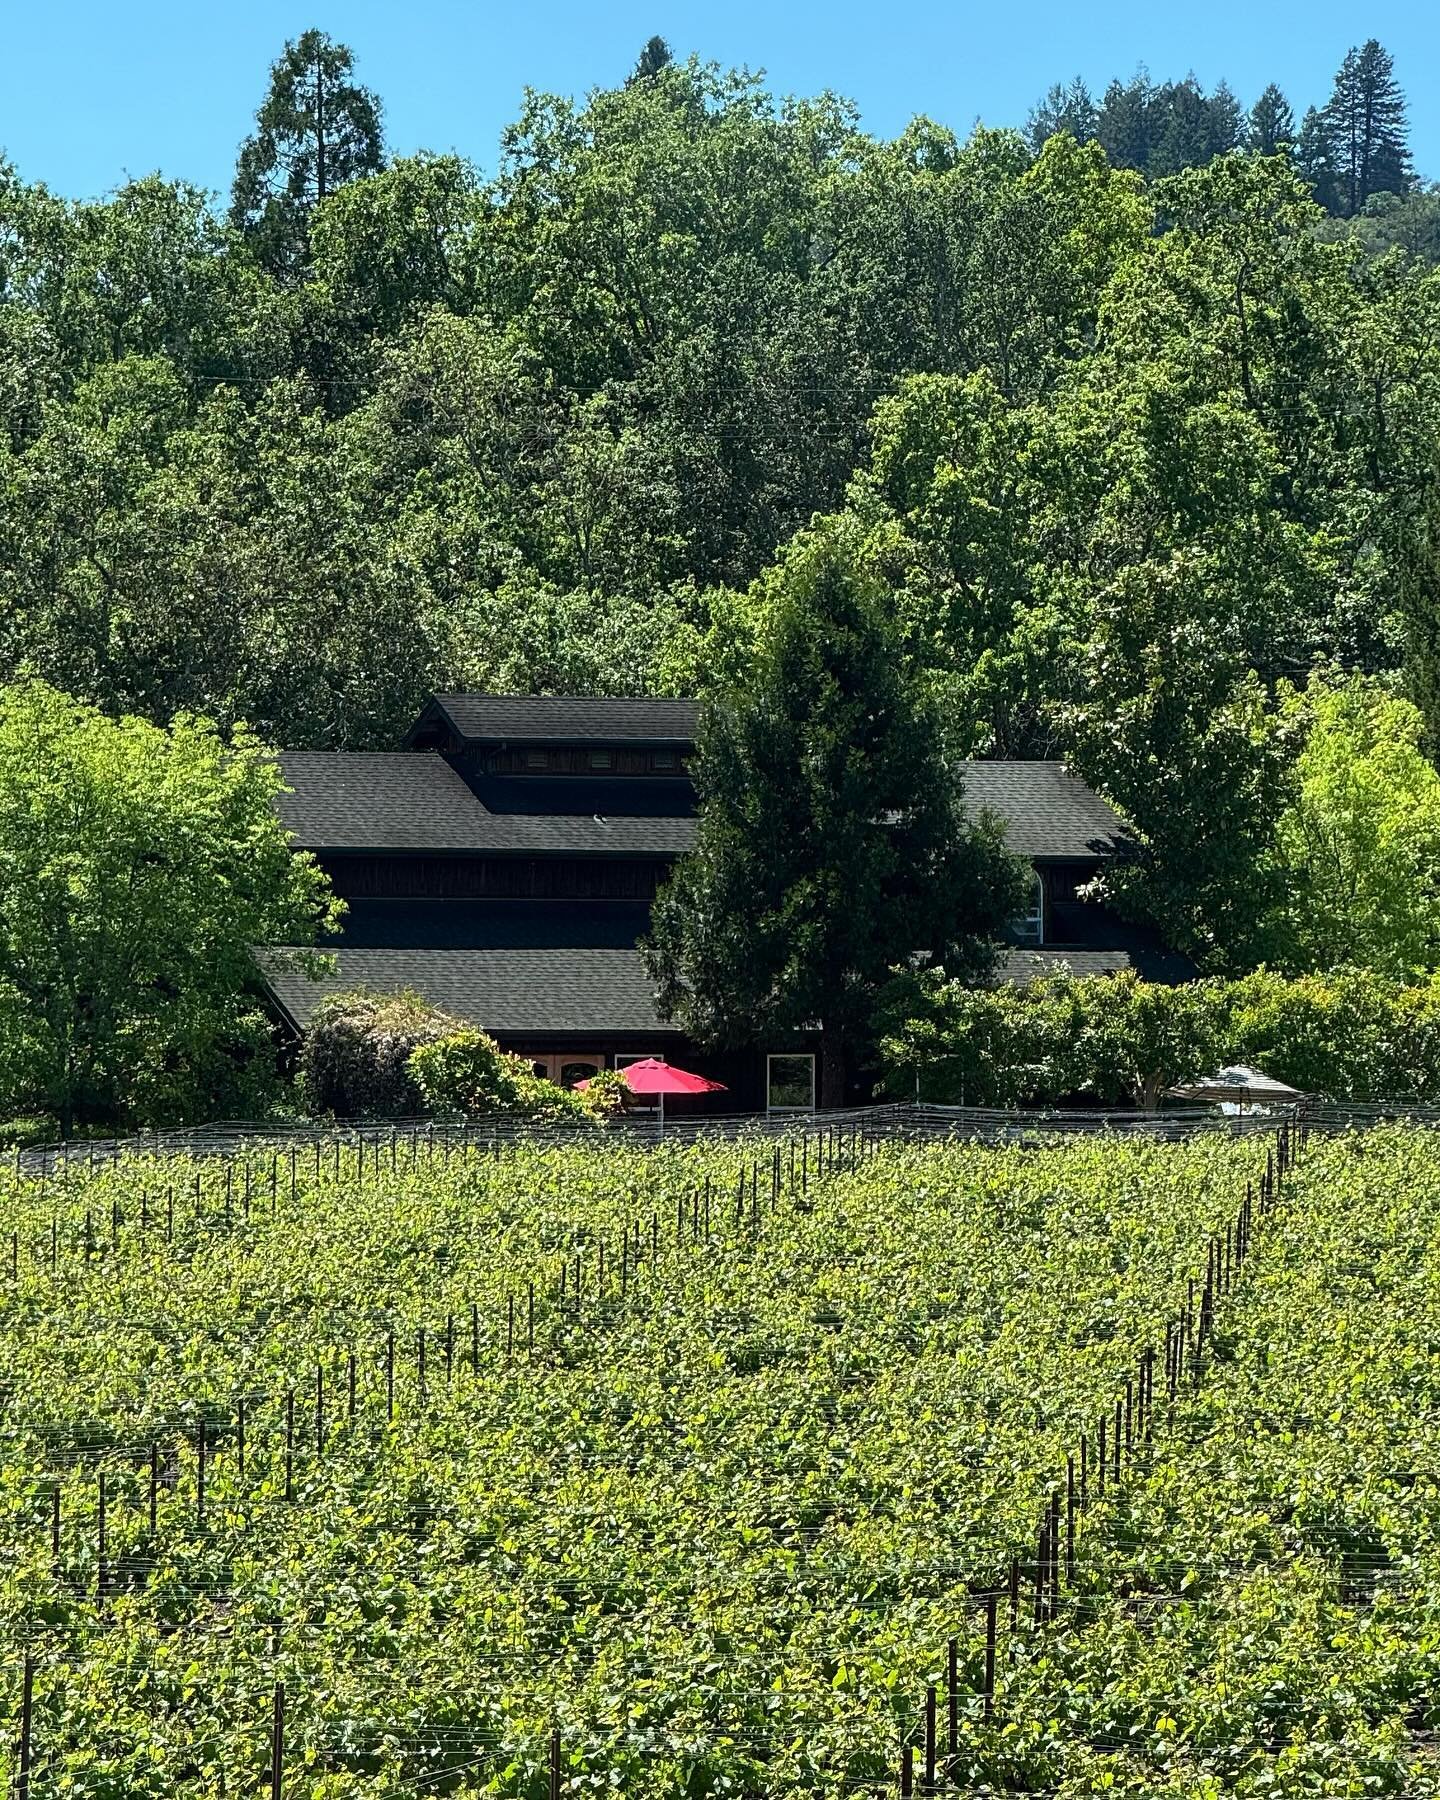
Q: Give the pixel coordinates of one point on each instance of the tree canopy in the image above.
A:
(138, 867)
(833, 842)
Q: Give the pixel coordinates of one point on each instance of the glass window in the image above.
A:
(537, 759)
(790, 1083)
(663, 759)
(1029, 928)
(578, 1069)
(599, 759)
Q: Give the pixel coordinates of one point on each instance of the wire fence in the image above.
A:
(905, 1119)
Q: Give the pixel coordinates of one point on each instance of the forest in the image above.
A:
(1129, 418)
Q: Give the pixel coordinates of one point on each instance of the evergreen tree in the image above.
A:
(1366, 128)
(653, 58)
(1226, 121)
(1125, 124)
(1272, 123)
(1315, 160)
(1183, 141)
(316, 130)
(1064, 109)
(832, 842)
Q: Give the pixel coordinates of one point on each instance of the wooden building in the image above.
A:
(502, 862)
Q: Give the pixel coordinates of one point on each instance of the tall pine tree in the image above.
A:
(1064, 109)
(316, 130)
(832, 842)
(1366, 128)
(1272, 123)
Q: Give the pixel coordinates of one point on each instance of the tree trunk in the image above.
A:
(832, 1070)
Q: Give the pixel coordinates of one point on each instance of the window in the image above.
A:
(599, 759)
(537, 759)
(1029, 928)
(790, 1083)
(573, 1070)
(663, 759)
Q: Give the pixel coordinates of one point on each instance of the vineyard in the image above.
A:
(827, 1466)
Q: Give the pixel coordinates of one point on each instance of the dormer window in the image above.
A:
(600, 759)
(537, 759)
(1029, 928)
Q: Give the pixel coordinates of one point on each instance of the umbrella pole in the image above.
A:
(662, 1112)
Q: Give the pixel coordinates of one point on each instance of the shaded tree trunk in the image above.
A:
(832, 1069)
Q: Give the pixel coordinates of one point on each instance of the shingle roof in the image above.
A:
(1151, 963)
(508, 991)
(414, 800)
(1048, 812)
(559, 718)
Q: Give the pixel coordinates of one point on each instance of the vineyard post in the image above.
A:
(554, 1765)
(1120, 1414)
(930, 1740)
(1070, 1520)
(1100, 1459)
(289, 1443)
(1014, 1594)
(474, 1337)
(27, 1697)
(277, 1742)
(952, 1687)
(100, 1541)
(350, 1383)
(992, 1621)
(420, 1361)
(907, 1768)
(200, 1475)
(390, 1376)
(319, 1410)
(1084, 1470)
(55, 1529)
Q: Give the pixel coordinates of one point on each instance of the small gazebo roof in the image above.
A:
(1237, 1083)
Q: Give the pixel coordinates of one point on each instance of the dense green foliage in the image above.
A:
(1127, 453)
(354, 1059)
(138, 867)
(833, 841)
(467, 1073)
(1348, 1034)
(715, 1512)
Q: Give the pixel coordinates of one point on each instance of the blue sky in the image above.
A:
(91, 93)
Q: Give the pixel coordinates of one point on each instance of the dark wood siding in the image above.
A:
(497, 877)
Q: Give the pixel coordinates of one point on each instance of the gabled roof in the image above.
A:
(1152, 963)
(1050, 814)
(412, 800)
(562, 718)
(563, 989)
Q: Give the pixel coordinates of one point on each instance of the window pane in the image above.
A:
(571, 1072)
(791, 1081)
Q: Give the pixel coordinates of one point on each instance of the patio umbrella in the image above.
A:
(1238, 1084)
(655, 1076)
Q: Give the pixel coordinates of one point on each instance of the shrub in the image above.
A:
(467, 1072)
(355, 1060)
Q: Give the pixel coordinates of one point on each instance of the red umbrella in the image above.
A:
(655, 1076)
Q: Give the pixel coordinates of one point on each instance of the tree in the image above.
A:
(138, 869)
(653, 58)
(1228, 128)
(1064, 109)
(316, 130)
(832, 844)
(1126, 127)
(1366, 129)
(1315, 159)
(1359, 841)
(1272, 123)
